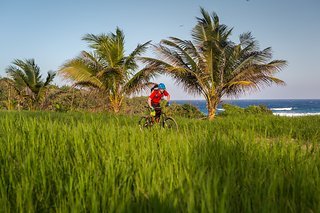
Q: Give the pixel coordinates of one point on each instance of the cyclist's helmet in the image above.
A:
(161, 86)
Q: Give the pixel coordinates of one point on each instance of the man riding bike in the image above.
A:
(157, 93)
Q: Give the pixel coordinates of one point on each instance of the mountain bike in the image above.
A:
(148, 121)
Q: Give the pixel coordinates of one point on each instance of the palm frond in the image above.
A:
(181, 49)
(140, 80)
(94, 40)
(49, 78)
(92, 60)
(89, 84)
(130, 61)
(78, 71)
(258, 75)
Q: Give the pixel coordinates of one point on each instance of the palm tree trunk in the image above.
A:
(72, 98)
(116, 102)
(9, 107)
(116, 107)
(212, 105)
(211, 113)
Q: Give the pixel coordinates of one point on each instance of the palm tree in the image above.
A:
(27, 80)
(212, 65)
(107, 68)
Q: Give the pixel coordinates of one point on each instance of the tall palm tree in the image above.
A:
(213, 66)
(107, 68)
(27, 80)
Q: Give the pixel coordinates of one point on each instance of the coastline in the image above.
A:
(279, 107)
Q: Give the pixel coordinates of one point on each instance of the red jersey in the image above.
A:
(156, 96)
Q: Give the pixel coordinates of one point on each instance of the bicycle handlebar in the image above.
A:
(153, 107)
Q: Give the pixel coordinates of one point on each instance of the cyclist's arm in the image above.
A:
(150, 98)
(167, 95)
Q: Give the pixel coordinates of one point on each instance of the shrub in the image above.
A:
(185, 110)
(232, 110)
(261, 109)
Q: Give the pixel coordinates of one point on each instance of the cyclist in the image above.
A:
(157, 93)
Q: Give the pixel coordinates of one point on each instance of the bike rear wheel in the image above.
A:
(170, 123)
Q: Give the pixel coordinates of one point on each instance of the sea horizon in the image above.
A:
(250, 99)
(281, 107)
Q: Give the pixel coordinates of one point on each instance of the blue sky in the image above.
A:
(51, 32)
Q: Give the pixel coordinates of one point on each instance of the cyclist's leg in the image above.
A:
(158, 114)
(158, 111)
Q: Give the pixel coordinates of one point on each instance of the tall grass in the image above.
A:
(77, 162)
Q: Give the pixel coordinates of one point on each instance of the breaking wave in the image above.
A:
(296, 114)
(282, 109)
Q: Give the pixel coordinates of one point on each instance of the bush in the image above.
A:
(261, 109)
(134, 106)
(185, 110)
(232, 110)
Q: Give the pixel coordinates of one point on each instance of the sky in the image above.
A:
(50, 32)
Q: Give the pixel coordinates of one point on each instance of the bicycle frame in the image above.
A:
(163, 120)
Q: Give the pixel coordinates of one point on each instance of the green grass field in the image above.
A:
(76, 162)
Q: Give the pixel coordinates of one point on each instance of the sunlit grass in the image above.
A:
(76, 162)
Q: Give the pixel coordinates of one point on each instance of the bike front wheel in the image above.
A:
(170, 123)
(145, 122)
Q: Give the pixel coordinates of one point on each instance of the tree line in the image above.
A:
(210, 65)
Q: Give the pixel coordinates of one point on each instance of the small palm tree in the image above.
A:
(107, 68)
(212, 65)
(7, 93)
(27, 80)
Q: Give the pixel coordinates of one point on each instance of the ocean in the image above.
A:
(281, 107)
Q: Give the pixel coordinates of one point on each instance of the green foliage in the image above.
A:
(60, 108)
(75, 99)
(260, 109)
(56, 98)
(232, 110)
(134, 105)
(63, 162)
(186, 111)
